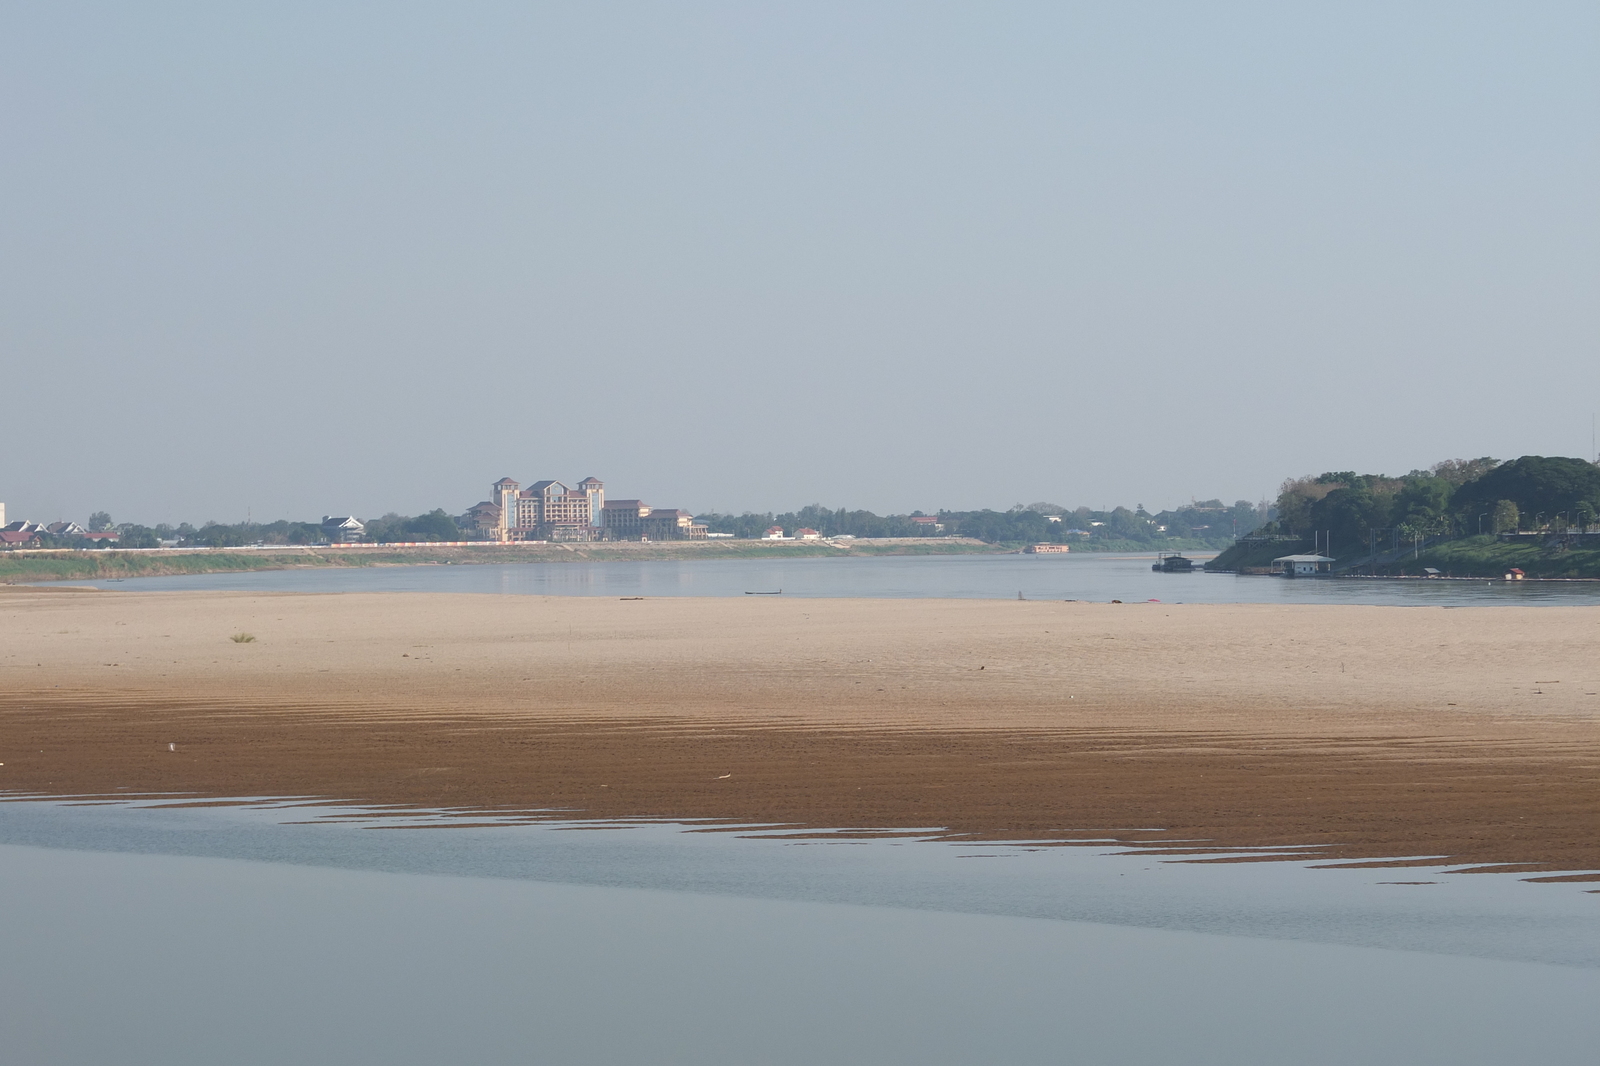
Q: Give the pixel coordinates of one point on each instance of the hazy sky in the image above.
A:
(332, 258)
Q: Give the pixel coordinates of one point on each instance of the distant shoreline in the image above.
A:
(22, 567)
(30, 566)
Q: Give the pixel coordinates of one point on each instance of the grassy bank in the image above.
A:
(1244, 556)
(16, 567)
(1488, 557)
(1484, 556)
(101, 565)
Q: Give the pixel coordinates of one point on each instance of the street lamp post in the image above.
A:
(1480, 522)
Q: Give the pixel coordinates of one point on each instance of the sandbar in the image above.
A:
(1370, 733)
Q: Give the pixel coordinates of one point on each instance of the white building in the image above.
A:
(1302, 565)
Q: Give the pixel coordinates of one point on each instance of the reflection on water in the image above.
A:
(147, 960)
(647, 944)
(1084, 576)
(1423, 908)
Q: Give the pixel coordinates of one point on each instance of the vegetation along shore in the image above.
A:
(1539, 515)
(19, 567)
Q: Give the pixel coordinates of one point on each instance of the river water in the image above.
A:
(1082, 576)
(143, 932)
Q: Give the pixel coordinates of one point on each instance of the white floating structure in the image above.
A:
(1303, 565)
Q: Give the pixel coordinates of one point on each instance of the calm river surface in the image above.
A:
(144, 933)
(1084, 576)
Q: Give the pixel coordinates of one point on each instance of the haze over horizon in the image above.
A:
(357, 258)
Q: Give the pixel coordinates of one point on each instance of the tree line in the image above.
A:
(1205, 523)
(434, 526)
(1208, 523)
(1457, 497)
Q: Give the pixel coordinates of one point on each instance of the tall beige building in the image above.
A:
(549, 510)
(545, 510)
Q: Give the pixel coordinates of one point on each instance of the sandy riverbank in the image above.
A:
(1378, 731)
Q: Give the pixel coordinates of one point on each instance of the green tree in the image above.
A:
(1297, 496)
(132, 536)
(1505, 517)
(99, 522)
(435, 525)
(1460, 471)
(216, 535)
(388, 529)
(1349, 515)
(1536, 484)
(1422, 506)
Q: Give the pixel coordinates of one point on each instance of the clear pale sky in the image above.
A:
(350, 258)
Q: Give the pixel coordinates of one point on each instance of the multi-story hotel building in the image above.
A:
(545, 510)
(549, 510)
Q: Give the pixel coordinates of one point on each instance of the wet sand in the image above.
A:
(1374, 731)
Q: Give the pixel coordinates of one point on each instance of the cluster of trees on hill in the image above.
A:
(1456, 497)
(1206, 523)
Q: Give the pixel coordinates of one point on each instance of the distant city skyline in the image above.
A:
(301, 259)
(469, 512)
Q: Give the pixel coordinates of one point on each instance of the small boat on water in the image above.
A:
(777, 593)
(1172, 563)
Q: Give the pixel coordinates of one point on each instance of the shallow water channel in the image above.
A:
(147, 932)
